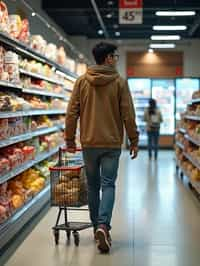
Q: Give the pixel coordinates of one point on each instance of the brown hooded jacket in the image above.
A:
(102, 101)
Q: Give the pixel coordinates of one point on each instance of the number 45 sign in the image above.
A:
(130, 11)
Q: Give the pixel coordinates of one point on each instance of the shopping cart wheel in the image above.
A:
(56, 236)
(76, 238)
(68, 232)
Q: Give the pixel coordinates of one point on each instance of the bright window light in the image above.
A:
(165, 37)
(175, 13)
(162, 45)
(182, 27)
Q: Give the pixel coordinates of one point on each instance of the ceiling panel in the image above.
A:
(78, 17)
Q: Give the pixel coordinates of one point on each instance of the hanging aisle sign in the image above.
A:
(130, 11)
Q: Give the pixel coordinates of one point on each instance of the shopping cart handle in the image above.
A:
(65, 149)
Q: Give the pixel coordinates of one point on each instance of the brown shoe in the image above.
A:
(103, 241)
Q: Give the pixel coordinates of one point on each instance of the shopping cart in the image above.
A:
(69, 193)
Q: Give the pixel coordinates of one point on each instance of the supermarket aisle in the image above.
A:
(156, 222)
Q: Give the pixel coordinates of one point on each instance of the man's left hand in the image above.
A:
(133, 152)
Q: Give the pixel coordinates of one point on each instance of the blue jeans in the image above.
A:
(101, 169)
(153, 141)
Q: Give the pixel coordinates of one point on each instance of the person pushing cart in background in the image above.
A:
(102, 101)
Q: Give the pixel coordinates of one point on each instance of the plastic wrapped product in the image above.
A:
(24, 34)
(51, 51)
(4, 21)
(38, 43)
(61, 56)
(15, 25)
(11, 61)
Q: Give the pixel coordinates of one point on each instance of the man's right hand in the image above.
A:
(71, 149)
(133, 152)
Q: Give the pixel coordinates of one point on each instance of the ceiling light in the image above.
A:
(100, 32)
(175, 13)
(150, 50)
(110, 3)
(81, 56)
(165, 37)
(182, 27)
(162, 45)
(33, 14)
(109, 15)
(117, 33)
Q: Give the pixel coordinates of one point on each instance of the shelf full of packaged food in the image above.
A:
(29, 135)
(196, 142)
(189, 157)
(42, 77)
(182, 130)
(20, 169)
(44, 92)
(11, 114)
(23, 49)
(192, 117)
(15, 223)
(180, 145)
(195, 184)
(32, 90)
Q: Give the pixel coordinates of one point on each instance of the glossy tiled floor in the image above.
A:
(156, 222)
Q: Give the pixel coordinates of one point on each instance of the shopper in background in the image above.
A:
(102, 100)
(153, 118)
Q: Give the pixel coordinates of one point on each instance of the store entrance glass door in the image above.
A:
(141, 92)
(163, 91)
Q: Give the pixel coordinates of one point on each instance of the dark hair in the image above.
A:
(102, 50)
(152, 106)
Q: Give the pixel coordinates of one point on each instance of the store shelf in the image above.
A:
(23, 49)
(38, 76)
(20, 169)
(67, 89)
(182, 130)
(195, 101)
(15, 223)
(32, 90)
(196, 164)
(192, 140)
(30, 135)
(192, 117)
(43, 92)
(180, 145)
(195, 185)
(31, 113)
(10, 85)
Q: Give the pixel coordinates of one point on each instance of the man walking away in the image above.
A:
(102, 101)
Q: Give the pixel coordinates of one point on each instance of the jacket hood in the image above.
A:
(101, 75)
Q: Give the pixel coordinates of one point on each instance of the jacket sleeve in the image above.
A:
(72, 116)
(128, 115)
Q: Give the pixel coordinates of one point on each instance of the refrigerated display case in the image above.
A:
(141, 92)
(184, 90)
(163, 91)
